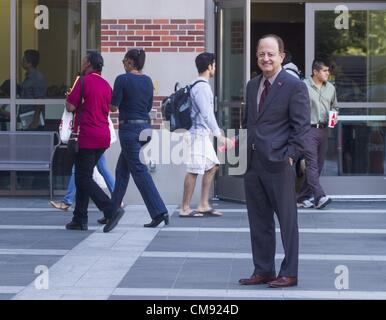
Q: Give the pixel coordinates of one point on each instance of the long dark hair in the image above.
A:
(138, 57)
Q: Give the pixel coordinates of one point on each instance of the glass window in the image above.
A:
(4, 117)
(39, 117)
(5, 89)
(48, 47)
(357, 53)
(232, 59)
(4, 49)
(48, 120)
(94, 25)
(5, 180)
(357, 144)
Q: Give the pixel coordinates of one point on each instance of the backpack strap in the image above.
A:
(198, 109)
(80, 111)
(295, 71)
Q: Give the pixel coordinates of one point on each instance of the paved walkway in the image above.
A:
(192, 258)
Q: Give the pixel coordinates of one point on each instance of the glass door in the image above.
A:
(232, 51)
(352, 37)
(42, 46)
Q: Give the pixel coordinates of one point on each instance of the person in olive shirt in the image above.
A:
(322, 99)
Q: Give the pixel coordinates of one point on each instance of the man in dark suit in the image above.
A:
(277, 119)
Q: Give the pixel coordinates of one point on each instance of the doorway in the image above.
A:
(287, 20)
(239, 24)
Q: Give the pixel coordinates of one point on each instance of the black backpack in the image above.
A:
(177, 108)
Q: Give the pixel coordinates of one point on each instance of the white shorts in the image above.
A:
(201, 155)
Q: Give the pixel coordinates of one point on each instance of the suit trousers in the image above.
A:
(267, 193)
(314, 153)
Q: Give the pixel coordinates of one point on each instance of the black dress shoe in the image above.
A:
(113, 221)
(76, 226)
(102, 220)
(155, 222)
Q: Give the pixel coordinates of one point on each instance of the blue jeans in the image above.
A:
(103, 170)
(128, 164)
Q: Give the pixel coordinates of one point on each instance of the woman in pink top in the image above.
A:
(94, 137)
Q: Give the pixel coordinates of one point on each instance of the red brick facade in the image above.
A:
(153, 35)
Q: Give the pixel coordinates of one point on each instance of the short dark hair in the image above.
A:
(138, 56)
(318, 65)
(279, 40)
(204, 60)
(32, 56)
(96, 60)
(287, 58)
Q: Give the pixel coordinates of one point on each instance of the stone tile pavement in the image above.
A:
(192, 258)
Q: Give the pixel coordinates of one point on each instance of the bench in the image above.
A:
(28, 151)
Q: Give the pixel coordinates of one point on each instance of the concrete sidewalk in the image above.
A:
(192, 258)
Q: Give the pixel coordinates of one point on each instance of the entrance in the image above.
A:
(238, 26)
(53, 36)
(352, 38)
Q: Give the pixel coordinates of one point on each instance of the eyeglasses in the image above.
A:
(261, 55)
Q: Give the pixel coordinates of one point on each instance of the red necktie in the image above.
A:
(264, 95)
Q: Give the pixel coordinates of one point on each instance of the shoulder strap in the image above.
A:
(80, 101)
(294, 70)
(198, 81)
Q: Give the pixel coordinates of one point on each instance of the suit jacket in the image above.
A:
(279, 131)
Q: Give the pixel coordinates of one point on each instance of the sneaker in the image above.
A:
(323, 201)
(305, 204)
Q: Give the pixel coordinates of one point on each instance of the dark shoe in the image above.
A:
(283, 282)
(112, 223)
(256, 279)
(76, 226)
(155, 222)
(102, 220)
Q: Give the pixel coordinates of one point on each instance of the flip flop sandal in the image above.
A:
(191, 214)
(211, 213)
(60, 205)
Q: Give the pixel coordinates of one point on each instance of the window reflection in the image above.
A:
(5, 117)
(4, 47)
(232, 68)
(357, 144)
(358, 54)
(52, 28)
(94, 25)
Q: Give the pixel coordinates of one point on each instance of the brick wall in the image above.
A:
(175, 36)
(153, 35)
